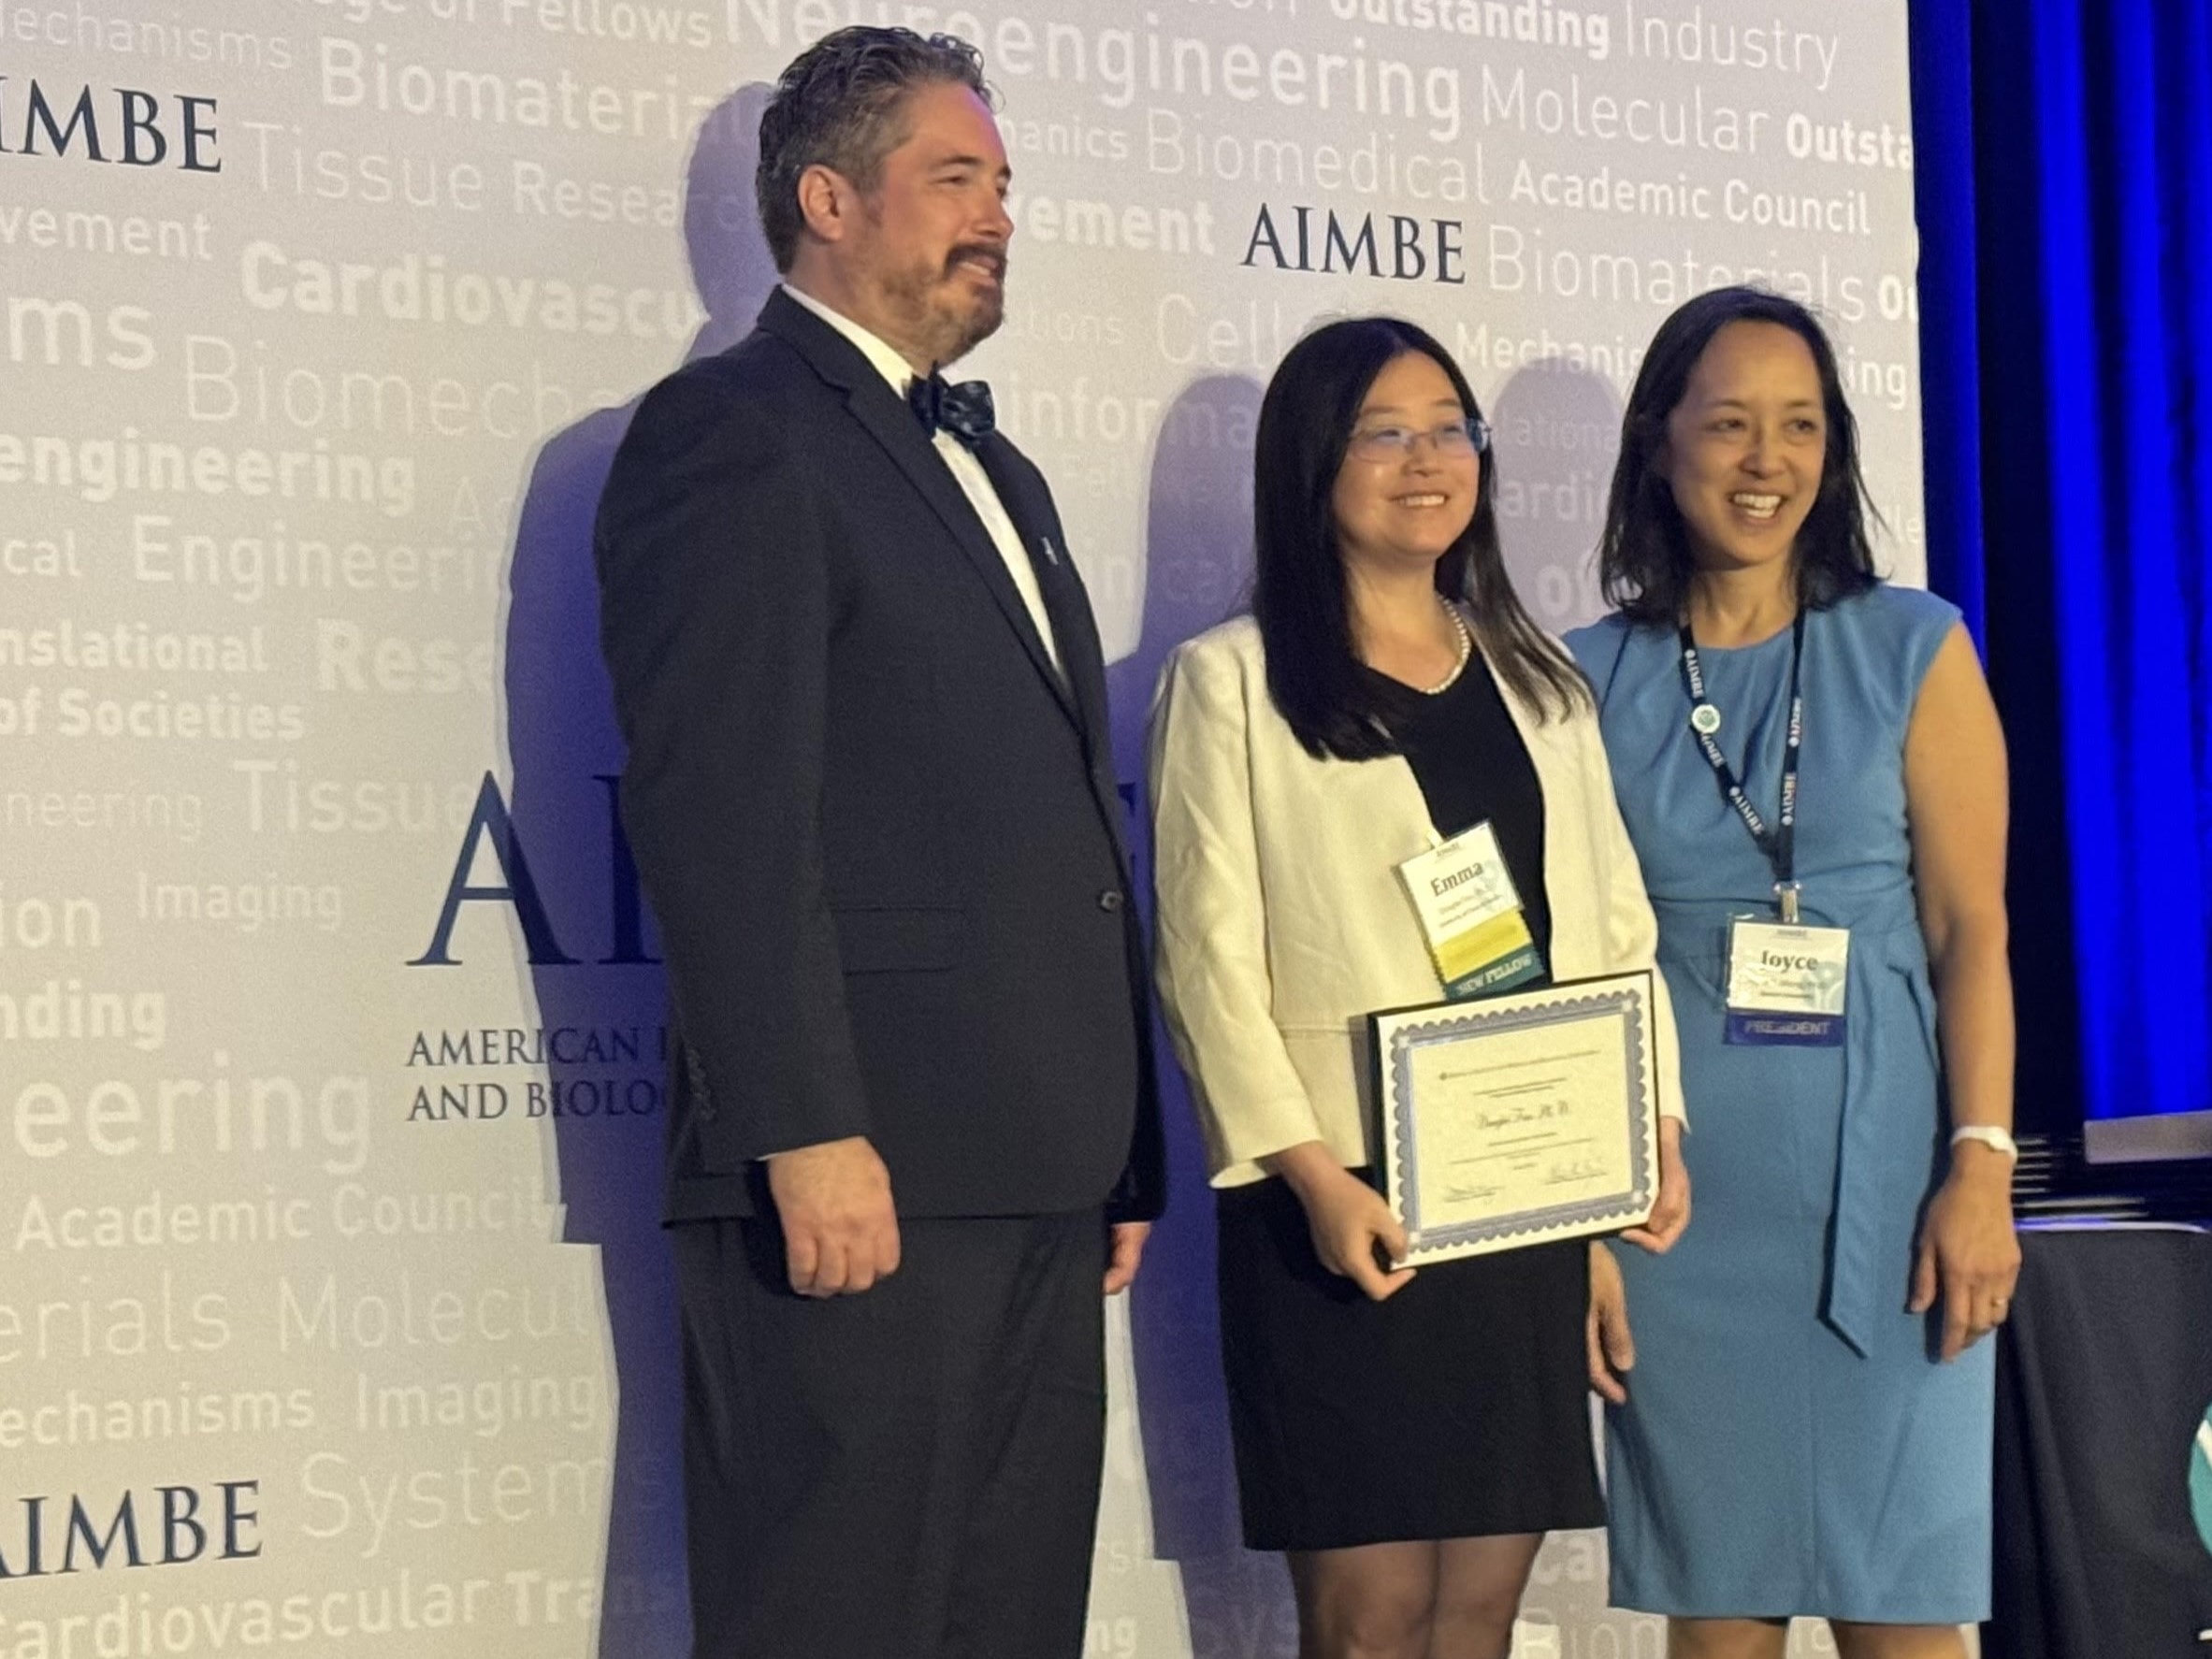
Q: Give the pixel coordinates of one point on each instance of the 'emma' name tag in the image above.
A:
(1786, 982)
(1470, 915)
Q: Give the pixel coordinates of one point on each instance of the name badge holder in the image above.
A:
(1785, 980)
(1470, 915)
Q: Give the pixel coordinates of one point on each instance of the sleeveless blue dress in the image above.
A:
(1790, 1445)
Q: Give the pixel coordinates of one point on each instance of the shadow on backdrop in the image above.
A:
(1197, 566)
(1557, 429)
(611, 998)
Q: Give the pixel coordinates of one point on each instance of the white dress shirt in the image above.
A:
(973, 482)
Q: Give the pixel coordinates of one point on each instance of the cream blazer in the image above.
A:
(1281, 921)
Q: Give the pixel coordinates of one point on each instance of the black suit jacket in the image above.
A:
(879, 831)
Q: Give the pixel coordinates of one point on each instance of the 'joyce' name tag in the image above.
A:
(1470, 915)
(1786, 982)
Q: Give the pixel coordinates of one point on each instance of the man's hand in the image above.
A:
(1126, 1249)
(841, 1233)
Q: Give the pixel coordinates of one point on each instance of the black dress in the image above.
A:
(1458, 1407)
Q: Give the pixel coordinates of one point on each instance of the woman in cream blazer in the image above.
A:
(1407, 1444)
(1283, 922)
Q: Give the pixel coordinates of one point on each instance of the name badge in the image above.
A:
(1786, 982)
(1470, 915)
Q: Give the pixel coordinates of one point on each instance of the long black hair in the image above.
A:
(1644, 562)
(1299, 591)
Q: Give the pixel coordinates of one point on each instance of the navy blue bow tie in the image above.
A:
(963, 409)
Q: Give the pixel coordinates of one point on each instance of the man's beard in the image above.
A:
(945, 323)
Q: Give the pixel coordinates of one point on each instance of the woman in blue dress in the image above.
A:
(1807, 1430)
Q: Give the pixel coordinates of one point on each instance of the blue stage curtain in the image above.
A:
(2063, 163)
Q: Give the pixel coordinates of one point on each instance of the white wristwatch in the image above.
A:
(1997, 1140)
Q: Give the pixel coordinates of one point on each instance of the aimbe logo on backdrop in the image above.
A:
(491, 826)
(113, 125)
(1394, 247)
(182, 1524)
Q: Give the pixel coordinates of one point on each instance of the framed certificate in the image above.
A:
(1519, 1119)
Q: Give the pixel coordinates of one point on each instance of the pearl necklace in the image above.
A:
(1466, 649)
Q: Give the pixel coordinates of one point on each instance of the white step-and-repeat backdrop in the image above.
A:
(334, 1318)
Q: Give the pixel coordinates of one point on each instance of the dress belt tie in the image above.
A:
(1884, 938)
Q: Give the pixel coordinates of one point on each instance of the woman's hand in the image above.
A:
(1670, 1213)
(1968, 1250)
(1348, 1220)
(1612, 1349)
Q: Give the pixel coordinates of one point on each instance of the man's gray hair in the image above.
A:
(840, 105)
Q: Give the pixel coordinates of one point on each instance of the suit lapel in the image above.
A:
(1066, 607)
(872, 403)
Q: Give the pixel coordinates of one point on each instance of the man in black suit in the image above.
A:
(871, 793)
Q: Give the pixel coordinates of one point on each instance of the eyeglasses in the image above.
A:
(1455, 440)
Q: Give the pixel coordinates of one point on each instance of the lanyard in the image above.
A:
(1780, 842)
